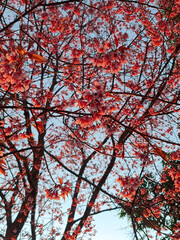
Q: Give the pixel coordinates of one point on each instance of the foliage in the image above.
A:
(156, 205)
(89, 116)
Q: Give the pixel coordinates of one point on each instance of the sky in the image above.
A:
(110, 227)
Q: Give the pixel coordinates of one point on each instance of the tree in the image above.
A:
(89, 116)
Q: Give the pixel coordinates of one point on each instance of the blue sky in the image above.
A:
(110, 226)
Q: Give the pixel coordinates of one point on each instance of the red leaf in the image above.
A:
(3, 50)
(52, 193)
(60, 180)
(113, 95)
(39, 126)
(65, 192)
(37, 58)
(2, 167)
(158, 151)
(116, 41)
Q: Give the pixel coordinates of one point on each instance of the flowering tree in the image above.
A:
(89, 105)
